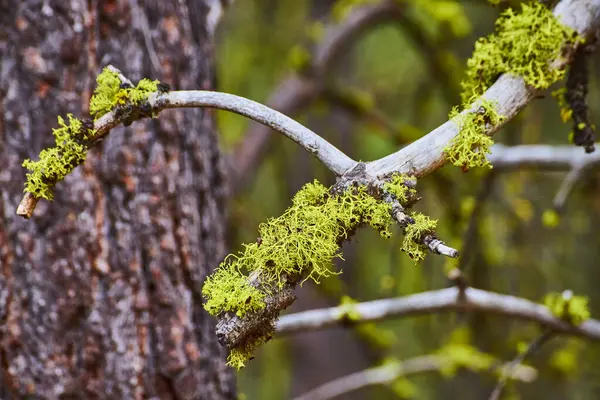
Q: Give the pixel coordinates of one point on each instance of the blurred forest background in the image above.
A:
(398, 80)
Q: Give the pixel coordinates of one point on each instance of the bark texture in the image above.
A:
(100, 290)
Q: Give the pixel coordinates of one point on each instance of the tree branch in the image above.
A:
(328, 154)
(444, 300)
(542, 156)
(387, 374)
(510, 94)
(299, 91)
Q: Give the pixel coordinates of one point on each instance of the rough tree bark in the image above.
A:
(100, 290)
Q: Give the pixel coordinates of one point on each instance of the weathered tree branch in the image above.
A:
(444, 300)
(331, 157)
(510, 95)
(387, 374)
(546, 157)
(297, 92)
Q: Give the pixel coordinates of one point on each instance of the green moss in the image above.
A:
(110, 93)
(468, 149)
(398, 187)
(228, 290)
(108, 85)
(413, 233)
(524, 44)
(57, 162)
(570, 308)
(301, 244)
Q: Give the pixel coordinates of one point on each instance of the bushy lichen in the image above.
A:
(57, 162)
(524, 44)
(110, 92)
(571, 308)
(228, 290)
(399, 186)
(413, 234)
(468, 149)
(301, 244)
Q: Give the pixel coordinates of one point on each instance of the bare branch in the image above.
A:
(297, 92)
(509, 93)
(532, 348)
(472, 300)
(387, 374)
(542, 156)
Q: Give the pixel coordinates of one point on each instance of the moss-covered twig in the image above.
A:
(116, 101)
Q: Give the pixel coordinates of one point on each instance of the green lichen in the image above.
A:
(524, 44)
(468, 149)
(399, 188)
(57, 162)
(110, 93)
(571, 308)
(228, 290)
(301, 244)
(413, 233)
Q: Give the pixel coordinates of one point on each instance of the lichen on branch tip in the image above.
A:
(414, 234)
(55, 163)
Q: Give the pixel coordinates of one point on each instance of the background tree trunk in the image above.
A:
(100, 290)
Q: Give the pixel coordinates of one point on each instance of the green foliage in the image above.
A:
(573, 309)
(458, 356)
(342, 8)
(468, 149)
(413, 234)
(109, 93)
(228, 290)
(57, 162)
(524, 44)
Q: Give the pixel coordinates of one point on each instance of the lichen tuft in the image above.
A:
(57, 162)
(524, 44)
(110, 93)
(468, 149)
(414, 233)
(229, 290)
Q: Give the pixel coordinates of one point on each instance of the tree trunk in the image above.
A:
(100, 290)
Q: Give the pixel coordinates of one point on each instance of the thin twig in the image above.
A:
(387, 374)
(531, 349)
(436, 301)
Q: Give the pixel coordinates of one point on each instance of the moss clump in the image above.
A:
(524, 44)
(301, 244)
(414, 233)
(468, 149)
(110, 92)
(400, 187)
(228, 290)
(57, 162)
(571, 308)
